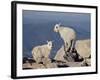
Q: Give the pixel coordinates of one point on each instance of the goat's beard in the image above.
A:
(55, 30)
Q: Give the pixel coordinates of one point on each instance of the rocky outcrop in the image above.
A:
(60, 54)
(81, 57)
(83, 48)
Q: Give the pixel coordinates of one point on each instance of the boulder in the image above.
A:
(83, 48)
(37, 66)
(60, 54)
(51, 65)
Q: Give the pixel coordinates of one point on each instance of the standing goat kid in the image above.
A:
(68, 35)
(42, 51)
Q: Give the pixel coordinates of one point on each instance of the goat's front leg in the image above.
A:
(68, 52)
(72, 46)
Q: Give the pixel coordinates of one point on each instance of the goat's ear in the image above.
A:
(52, 40)
(59, 24)
(47, 41)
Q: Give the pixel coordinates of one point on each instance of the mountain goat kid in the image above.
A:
(83, 48)
(42, 51)
(68, 35)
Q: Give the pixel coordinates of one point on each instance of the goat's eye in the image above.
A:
(56, 26)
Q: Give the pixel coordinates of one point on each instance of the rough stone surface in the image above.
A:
(37, 66)
(83, 48)
(60, 54)
(51, 65)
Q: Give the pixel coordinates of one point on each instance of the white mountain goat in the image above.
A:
(42, 51)
(83, 48)
(67, 34)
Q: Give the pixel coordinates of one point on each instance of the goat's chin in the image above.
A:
(49, 48)
(55, 30)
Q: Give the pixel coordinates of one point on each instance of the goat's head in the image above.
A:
(49, 44)
(56, 27)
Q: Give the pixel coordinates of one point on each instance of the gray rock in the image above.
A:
(37, 66)
(88, 61)
(51, 65)
(60, 54)
(27, 66)
(83, 48)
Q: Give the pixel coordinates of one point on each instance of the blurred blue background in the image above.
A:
(38, 28)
